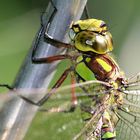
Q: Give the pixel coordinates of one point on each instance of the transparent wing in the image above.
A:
(69, 125)
(88, 102)
(52, 119)
(134, 82)
(128, 126)
(92, 128)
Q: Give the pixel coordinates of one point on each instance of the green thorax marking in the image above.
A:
(83, 70)
(104, 65)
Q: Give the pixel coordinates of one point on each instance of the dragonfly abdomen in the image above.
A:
(107, 130)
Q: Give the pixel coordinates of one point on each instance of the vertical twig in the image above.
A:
(16, 116)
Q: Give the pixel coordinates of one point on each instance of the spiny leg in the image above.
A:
(74, 98)
(43, 31)
(7, 86)
(52, 59)
(53, 90)
(66, 107)
(56, 43)
(40, 34)
(86, 11)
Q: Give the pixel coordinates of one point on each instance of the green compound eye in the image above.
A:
(91, 36)
(100, 45)
(103, 43)
(87, 41)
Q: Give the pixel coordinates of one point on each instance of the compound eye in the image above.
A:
(109, 40)
(101, 45)
(72, 34)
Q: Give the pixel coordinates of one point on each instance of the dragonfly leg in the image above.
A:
(52, 91)
(71, 107)
(74, 98)
(43, 31)
(50, 59)
(52, 15)
(68, 107)
(86, 11)
(7, 86)
(50, 39)
(56, 43)
(43, 28)
(65, 108)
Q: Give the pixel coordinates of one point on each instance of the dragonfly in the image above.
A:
(113, 102)
(112, 99)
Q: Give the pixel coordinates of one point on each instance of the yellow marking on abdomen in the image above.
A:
(104, 65)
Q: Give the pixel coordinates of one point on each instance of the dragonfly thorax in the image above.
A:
(103, 67)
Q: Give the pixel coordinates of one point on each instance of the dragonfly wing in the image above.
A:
(92, 128)
(128, 126)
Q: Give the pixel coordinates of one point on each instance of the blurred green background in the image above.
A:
(20, 20)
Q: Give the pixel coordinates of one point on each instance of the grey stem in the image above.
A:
(16, 115)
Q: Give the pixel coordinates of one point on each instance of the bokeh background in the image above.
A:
(20, 20)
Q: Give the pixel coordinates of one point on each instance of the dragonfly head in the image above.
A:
(91, 35)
